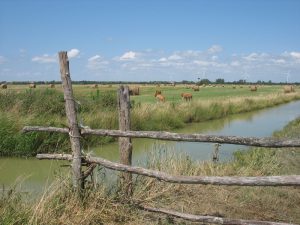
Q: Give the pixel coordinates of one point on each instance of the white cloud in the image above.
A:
(295, 55)
(202, 63)
(215, 49)
(97, 62)
(235, 63)
(214, 57)
(128, 55)
(174, 57)
(251, 57)
(22, 52)
(163, 59)
(94, 58)
(256, 56)
(278, 61)
(44, 59)
(2, 59)
(73, 53)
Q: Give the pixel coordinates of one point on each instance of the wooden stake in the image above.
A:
(125, 145)
(72, 121)
(215, 155)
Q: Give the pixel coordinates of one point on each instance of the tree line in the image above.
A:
(199, 82)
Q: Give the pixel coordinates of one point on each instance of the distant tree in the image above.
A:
(220, 81)
(241, 81)
(204, 81)
(186, 82)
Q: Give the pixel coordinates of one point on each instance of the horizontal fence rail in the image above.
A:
(249, 141)
(209, 219)
(291, 180)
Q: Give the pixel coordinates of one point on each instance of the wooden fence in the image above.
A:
(125, 146)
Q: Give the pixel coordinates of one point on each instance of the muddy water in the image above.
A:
(35, 175)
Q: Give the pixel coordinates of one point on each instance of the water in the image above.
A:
(35, 175)
(260, 123)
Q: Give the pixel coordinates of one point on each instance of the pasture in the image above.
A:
(171, 93)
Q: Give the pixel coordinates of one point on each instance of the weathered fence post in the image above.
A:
(125, 146)
(215, 155)
(72, 121)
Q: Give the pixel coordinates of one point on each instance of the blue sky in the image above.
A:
(133, 40)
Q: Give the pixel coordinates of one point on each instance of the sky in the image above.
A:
(154, 40)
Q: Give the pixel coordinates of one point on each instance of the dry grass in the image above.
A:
(104, 205)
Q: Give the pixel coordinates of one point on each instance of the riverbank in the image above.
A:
(101, 204)
(46, 108)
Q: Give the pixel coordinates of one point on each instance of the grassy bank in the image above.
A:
(102, 204)
(97, 109)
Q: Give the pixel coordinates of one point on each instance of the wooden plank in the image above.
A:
(161, 135)
(291, 180)
(125, 145)
(72, 120)
(209, 219)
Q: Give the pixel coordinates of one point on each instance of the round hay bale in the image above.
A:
(195, 88)
(4, 86)
(32, 85)
(253, 88)
(95, 86)
(288, 88)
(51, 85)
(134, 91)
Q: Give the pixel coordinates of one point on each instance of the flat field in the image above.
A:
(171, 93)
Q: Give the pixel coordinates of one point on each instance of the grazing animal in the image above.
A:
(134, 91)
(157, 93)
(288, 89)
(187, 96)
(4, 86)
(253, 88)
(160, 98)
(32, 86)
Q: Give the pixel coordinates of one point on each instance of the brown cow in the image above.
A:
(157, 93)
(187, 96)
(159, 96)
